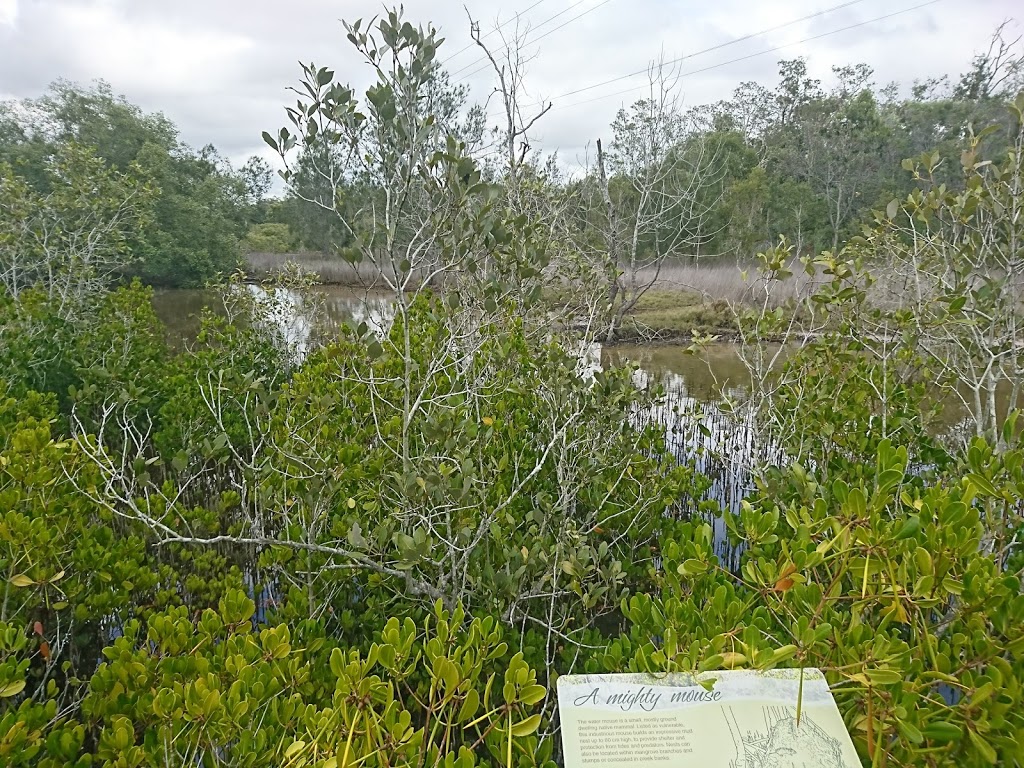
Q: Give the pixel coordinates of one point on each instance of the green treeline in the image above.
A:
(296, 546)
(200, 208)
(795, 158)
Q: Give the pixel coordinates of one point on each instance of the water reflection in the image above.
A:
(345, 305)
(181, 310)
(286, 312)
(724, 448)
(716, 372)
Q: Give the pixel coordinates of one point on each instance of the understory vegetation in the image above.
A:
(382, 546)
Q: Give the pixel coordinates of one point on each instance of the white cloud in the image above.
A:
(8, 12)
(148, 55)
(220, 69)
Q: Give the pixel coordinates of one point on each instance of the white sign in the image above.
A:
(745, 719)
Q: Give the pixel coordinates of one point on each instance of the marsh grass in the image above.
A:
(722, 280)
(331, 269)
(684, 299)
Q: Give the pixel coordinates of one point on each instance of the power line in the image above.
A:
(715, 47)
(760, 53)
(499, 27)
(570, 21)
(534, 40)
(549, 32)
(546, 21)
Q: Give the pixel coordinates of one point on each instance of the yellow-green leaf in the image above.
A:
(527, 726)
(470, 706)
(883, 676)
(531, 694)
(986, 749)
(12, 689)
(982, 484)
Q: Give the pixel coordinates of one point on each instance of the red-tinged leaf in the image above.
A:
(785, 583)
(38, 628)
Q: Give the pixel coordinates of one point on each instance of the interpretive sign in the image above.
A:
(744, 719)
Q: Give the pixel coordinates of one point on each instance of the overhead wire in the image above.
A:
(496, 29)
(529, 40)
(726, 44)
(759, 53)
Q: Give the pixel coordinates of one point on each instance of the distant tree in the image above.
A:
(204, 206)
(996, 73)
(833, 141)
(269, 238)
(74, 236)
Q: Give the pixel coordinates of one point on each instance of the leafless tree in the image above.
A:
(656, 190)
(509, 62)
(73, 240)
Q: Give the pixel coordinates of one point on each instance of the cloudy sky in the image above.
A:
(219, 68)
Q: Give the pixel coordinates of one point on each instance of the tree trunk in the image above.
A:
(611, 242)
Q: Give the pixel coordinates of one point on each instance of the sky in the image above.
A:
(220, 69)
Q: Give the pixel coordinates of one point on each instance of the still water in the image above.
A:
(703, 380)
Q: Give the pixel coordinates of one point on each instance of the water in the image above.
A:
(180, 310)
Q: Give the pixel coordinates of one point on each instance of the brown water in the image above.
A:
(703, 378)
(180, 310)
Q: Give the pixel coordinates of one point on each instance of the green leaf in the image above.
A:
(469, 706)
(12, 689)
(884, 676)
(531, 694)
(988, 753)
(450, 676)
(942, 732)
(692, 567)
(910, 731)
(982, 483)
(527, 726)
(711, 662)
(21, 580)
(784, 653)
(911, 527)
(953, 586)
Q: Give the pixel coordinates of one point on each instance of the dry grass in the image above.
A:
(688, 298)
(684, 298)
(710, 282)
(677, 313)
(332, 270)
(723, 282)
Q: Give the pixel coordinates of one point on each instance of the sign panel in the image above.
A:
(746, 719)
